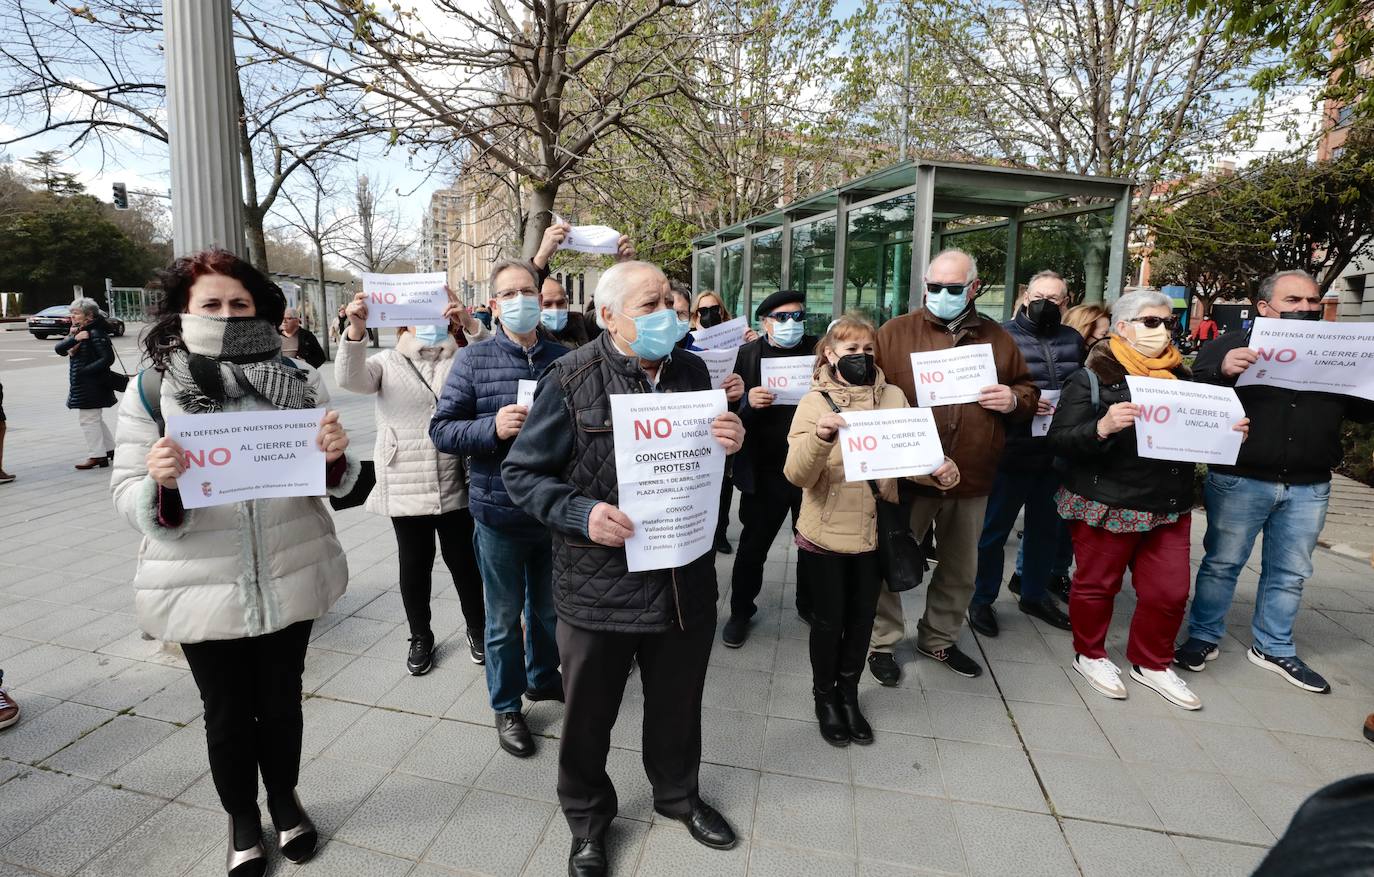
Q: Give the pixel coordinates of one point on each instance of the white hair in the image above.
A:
(87, 306)
(613, 286)
(951, 253)
(290, 312)
(1129, 306)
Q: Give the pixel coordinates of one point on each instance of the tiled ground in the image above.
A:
(1023, 771)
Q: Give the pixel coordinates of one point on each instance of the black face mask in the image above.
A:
(1043, 314)
(859, 369)
(1311, 316)
(710, 316)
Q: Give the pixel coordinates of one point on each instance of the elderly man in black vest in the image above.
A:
(561, 470)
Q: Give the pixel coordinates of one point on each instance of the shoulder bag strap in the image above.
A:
(419, 377)
(154, 411)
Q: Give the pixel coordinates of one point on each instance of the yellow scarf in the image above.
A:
(1142, 366)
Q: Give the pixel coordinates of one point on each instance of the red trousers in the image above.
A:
(1158, 560)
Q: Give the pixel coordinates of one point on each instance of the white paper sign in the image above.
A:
(600, 239)
(1184, 421)
(721, 336)
(720, 363)
(954, 376)
(1318, 356)
(1040, 423)
(405, 299)
(524, 393)
(891, 443)
(248, 455)
(788, 378)
(669, 469)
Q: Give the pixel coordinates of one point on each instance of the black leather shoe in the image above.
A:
(983, 618)
(477, 649)
(723, 546)
(421, 656)
(548, 692)
(1014, 583)
(1046, 610)
(736, 631)
(884, 668)
(514, 734)
(833, 728)
(1059, 587)
(859, 730)
(588, 857)
(706, 826)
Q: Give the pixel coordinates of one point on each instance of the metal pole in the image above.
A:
(202, 126)
(1013, 256)
(922, 235)
(1119, 252)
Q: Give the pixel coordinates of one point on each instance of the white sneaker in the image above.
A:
(1169, 686)
(1102, 675)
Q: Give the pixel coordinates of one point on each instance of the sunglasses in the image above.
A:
(951, 288)
(1156, 322)
(784, 316)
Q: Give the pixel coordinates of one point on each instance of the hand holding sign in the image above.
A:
(828, 425)
(728, 429)
(509, 420)
(998, 397)
(788, 378)
(332, 438)
(609, 526)
(1318, 356)
(1044, 412)
(406, 299)
(249, 454)
(1118, 417)
(166, 461)
(958, 375)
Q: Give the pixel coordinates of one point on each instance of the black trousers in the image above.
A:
(727, 497)
(251, 689)
(843, 604)
(672, 666)
(762, 514)
(415, 544)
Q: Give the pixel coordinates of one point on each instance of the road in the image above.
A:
(19, 350)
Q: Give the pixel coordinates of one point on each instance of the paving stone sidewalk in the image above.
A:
(1024, 771)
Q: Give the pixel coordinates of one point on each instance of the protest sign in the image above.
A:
(669, 469)
(954, 376)
(405, 299)
(788, 378)
(722, 336)
(598, 239)
(248, 455)
(1184, 421)
(524, 393)
(1040, 423)
(1318, 356)
(890, 443)
(720, 363)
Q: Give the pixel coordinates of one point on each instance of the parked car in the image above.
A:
(57, 320)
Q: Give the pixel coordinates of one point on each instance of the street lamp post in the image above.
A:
(202, 126)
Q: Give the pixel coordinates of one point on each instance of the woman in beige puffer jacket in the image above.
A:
(837, 533)
(422, 490)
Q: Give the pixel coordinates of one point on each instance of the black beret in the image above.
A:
(778, 299)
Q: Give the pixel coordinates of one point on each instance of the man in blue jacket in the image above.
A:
(1025, 476)
(478, 418)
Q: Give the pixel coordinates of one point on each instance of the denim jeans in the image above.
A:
(517, 577)
(1063, 554)
(1238, 509)
(1010, 492)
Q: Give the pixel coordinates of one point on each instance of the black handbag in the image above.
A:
(116, 380)
(900, 558)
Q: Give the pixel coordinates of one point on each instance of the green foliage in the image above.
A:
(1357, 440)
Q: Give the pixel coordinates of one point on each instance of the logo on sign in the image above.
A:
(651, 429)
(207, 488)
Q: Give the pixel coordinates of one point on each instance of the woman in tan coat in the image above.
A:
(837, 530)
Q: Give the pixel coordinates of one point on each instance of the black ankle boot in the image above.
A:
(859, 729)
(833, 728)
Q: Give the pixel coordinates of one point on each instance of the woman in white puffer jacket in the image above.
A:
(423, 491)
(239, 585)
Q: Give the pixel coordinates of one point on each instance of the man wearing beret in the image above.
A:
(767, 496)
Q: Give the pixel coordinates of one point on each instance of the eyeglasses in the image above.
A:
(784, 316)
(1155, 322)
(510, 294)
(951, 288)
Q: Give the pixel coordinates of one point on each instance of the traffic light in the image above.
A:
(121, 196)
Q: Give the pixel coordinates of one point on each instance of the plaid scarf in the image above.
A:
(224, 358)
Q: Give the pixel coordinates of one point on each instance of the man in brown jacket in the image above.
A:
(972, 434)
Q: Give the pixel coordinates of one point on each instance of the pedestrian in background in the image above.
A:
(423, 490)
(90, 354)
(5, 477)
(298, 342)
(1125, 510)
(238, 585)
(837, 532)
(1092, 321)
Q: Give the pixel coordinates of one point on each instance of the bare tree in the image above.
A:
(374, 238)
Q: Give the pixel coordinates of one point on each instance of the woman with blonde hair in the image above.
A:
(1093, 322)
(837, 534)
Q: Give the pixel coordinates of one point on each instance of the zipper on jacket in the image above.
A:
(257, 569)
(1051, 362)
(682, 625)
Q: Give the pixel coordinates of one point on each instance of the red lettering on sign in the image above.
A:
(647, 429)
(1282, 354)
(213, 457)
(777, 380)
(1156, 413)
(386, 298)
(863, 443)
(932, 377)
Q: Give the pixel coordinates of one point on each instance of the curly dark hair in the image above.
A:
(174, 285)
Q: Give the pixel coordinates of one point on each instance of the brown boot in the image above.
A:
(94, 463)
(1369, 728)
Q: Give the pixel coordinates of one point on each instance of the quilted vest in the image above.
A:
(592, 587)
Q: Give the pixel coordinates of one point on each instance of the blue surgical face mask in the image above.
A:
(431, 335)
(787, 333)
(946, 305)
(521, 314)
(683, 327)
(656, 334)
(554, 319)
